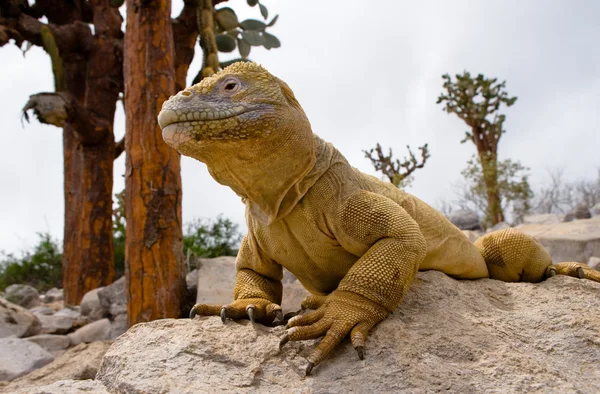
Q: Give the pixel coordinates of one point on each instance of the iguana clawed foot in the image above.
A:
(340, 314)
(255, 309)
(576, 270)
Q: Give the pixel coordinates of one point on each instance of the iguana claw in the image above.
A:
(285, 339)
(192, 313)
(309, 368)
(250, 312)
(223, 314)
(361, 352)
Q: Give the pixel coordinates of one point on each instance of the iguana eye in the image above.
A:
(231, 86)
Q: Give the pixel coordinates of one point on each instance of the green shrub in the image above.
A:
(211, 238)
(41, 268)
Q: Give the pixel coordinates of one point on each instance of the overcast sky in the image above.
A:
(365, 72)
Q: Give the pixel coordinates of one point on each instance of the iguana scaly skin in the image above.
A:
(353, 241)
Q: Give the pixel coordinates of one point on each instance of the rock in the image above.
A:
(23, 295)
(595, 210)
(448, 335)
(42, 310)
(472, 235)
(16, 321)
(191, 279)
(581, 211)
(594, 262)
(53, 295)
(498, 226)
(216, 280)
(98, 330)
(545, 218)
(78, 363)
(68, 312)
(53, 324)
(67, 387)
(113, 299)
(465, 219)
(118, 326)
(51, 343)
(90, 305)
(572, 241)
(20, 356)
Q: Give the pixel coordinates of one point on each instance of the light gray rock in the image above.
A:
(53, 295)
(16, 321)
(572, 241)
(90, 305)
(20, 356)
(448, 335)
(544, 218)
(595, 210)
(191, 279)
(53, 324)
(465, 219)
(42, 310)
(78, 363)
(216, 280)
(51, 343)
(118, 326)
(472, 235)
(498, 226)
(68, 312)
(24, 295)
(594, 262)
(67, 387)
(98, 330)
(113, 299)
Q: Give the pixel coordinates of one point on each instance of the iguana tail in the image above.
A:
(514, 256)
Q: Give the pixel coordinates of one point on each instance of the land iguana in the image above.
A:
(353, 241)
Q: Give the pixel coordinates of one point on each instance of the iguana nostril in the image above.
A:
(185, 94)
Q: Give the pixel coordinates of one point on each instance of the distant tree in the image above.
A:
(513, 188)
(211, 238)
(40, 268)
(398, 172)
(477, 102)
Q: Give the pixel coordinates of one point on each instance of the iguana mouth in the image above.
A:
(167, 117)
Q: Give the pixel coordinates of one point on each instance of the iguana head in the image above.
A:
(248, 128)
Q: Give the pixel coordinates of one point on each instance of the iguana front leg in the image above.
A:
(257, 291)
(391, 247)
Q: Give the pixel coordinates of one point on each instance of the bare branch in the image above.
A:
(395, 170)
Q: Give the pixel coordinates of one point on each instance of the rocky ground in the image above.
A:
(448, 335)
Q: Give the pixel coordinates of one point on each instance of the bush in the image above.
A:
(41, 268)
(211, 238)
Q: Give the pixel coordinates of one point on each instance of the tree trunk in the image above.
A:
(89, 151)
(489, 167)
(154, 255)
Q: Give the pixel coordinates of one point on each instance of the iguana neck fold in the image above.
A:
(272, 184)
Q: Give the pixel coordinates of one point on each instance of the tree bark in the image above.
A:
(154, 254)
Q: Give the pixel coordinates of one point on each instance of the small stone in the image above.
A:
(53, 295)
(594, 262)
(20, 356)
(90, 305)
(113, 299)
(465, 219)
(42, 310)
(118, 326)
(98, 330)
(23, 295)
(51, 343)
(55, 324)
(16, 321)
